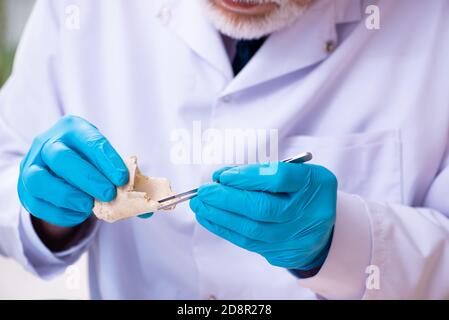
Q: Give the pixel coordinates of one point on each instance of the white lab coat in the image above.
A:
(375, 111)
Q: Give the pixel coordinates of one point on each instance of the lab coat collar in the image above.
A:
(297, 47)
(191, 25)
(303, 44)
(348, 11)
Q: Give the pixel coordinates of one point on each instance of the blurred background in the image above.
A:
(15, 282)
(13, 16)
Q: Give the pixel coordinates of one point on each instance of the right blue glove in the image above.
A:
(287, 216)
(66, 168)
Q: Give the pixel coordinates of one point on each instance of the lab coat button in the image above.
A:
(164, 15)
(227, 99)
(330, 46)
(212, 297)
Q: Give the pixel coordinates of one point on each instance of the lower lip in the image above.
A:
(246, 7)
(240, 4)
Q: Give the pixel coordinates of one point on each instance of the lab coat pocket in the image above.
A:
(366, 164)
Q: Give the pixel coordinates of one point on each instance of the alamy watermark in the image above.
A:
(372, 21)
(72, 17)
(231, 146)
(73, 278)
(373, 278)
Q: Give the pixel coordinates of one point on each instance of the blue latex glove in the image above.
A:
(65, 169)
(287, 217)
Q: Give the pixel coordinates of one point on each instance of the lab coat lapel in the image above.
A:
(191, 25)
(297, 47)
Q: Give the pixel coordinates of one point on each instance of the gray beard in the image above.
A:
(253, 28)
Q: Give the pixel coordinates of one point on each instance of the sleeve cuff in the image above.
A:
(43, 262)
(342, 275)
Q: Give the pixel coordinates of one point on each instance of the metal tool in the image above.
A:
(185, 196)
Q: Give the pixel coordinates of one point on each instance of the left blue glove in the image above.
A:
(66, 168)
(286, 217)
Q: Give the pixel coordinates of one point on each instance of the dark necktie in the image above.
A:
(245, 50)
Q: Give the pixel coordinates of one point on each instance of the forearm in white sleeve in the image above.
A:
(384, 251)
(30, 103)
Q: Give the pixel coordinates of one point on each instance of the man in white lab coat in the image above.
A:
(372, 105)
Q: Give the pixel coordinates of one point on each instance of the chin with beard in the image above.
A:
(240, 26)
